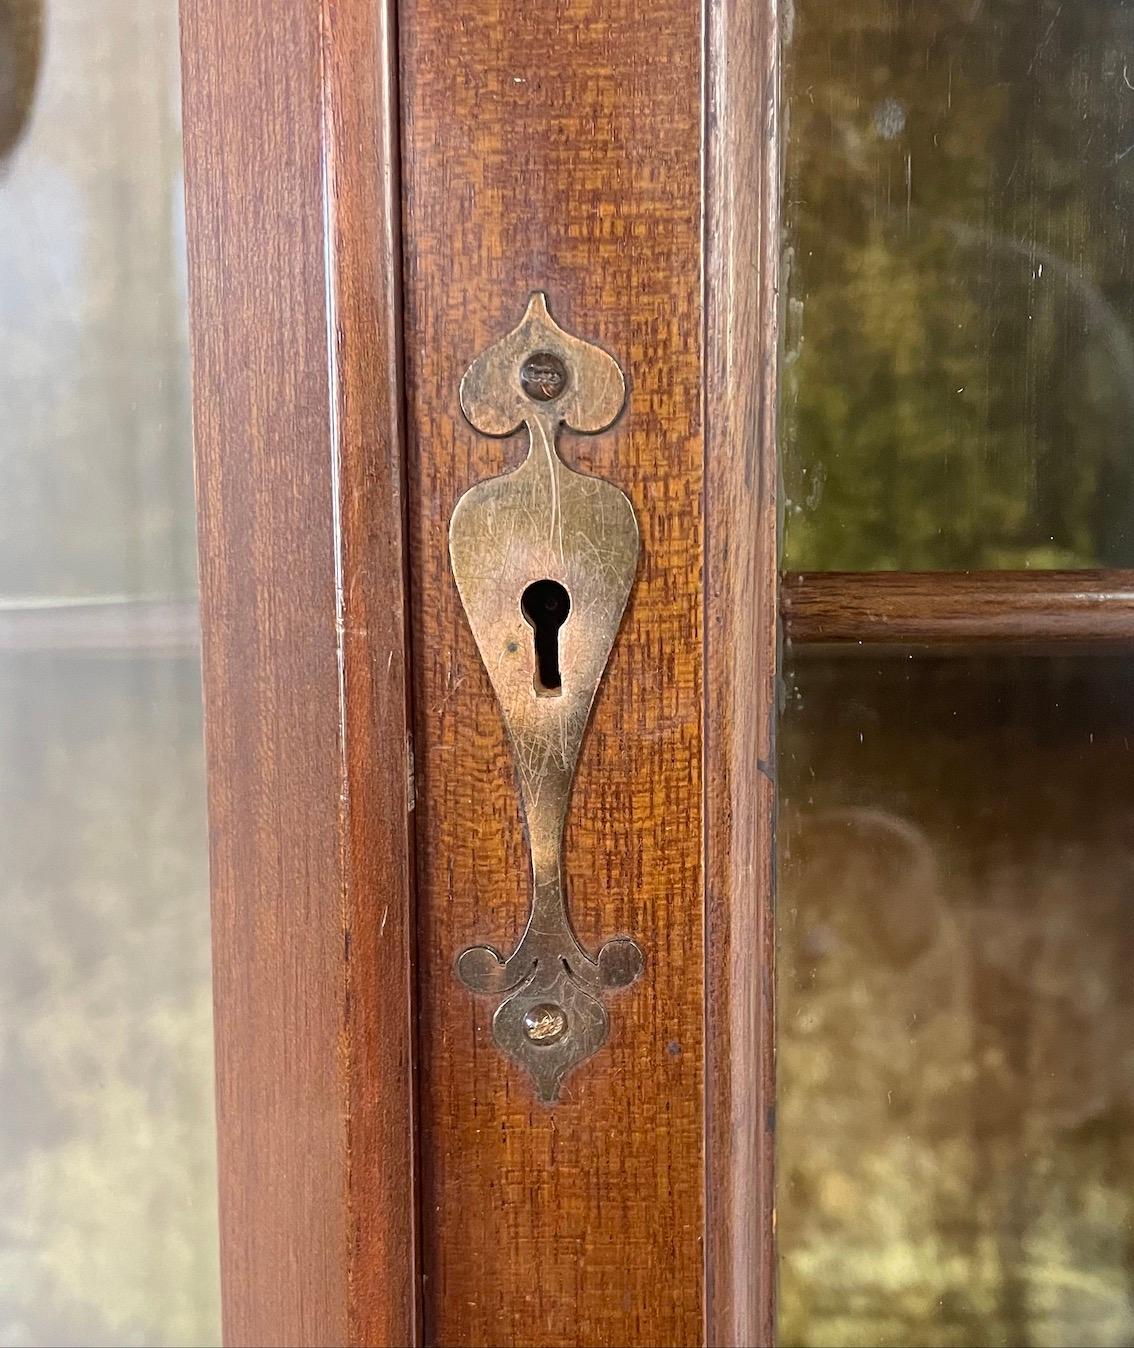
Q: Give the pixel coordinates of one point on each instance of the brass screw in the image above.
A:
(543, 376)
(545, 1024)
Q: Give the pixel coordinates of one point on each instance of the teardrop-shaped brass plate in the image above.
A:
(545, 535)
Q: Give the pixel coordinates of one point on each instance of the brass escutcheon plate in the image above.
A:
(544, 559)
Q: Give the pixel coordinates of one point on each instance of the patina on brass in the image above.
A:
(545, 523)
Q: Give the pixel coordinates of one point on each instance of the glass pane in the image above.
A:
(956, 875)
(959, 371)
(956, 1040)
(107, 1168)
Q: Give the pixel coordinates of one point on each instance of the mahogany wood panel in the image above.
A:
(741, 581)
(959, 608)
(291, 198)
(559, 147)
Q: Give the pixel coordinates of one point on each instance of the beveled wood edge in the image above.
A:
(956, 610)
(362, 151)
(292, 204)
(742, 226)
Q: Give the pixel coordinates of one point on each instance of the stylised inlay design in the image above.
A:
(544, 559)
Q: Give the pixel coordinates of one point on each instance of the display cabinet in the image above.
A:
(663, 518)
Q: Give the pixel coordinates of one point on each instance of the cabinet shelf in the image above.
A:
(1043, 609)
(111, 626)
(957, 609)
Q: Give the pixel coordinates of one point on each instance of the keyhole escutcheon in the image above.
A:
(545, 605)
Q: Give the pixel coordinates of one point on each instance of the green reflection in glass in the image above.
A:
(956, 1008)
(959, 361)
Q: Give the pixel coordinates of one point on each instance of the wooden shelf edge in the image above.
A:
(957, 608)
(125, 627)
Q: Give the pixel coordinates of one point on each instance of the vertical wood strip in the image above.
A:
(742, 194)
(364, 234)
(559, 147)
(290, 181)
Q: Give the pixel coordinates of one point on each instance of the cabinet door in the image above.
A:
(375, 193)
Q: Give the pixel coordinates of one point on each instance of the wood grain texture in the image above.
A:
(291, 188)
(742, 243)
(558, 147)
(1040, 608)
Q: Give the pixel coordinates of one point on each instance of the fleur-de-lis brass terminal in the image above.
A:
(544, 559)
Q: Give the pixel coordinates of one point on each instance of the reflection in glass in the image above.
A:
(95, 468)
(108, 1224)
(956, 1039)
(959, 368)
(956, 866)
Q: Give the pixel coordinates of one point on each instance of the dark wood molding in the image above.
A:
(1038, 609)
(559, 148)
(290, 131)
(742, 242)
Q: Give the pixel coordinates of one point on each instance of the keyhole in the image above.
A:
(545, 604)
